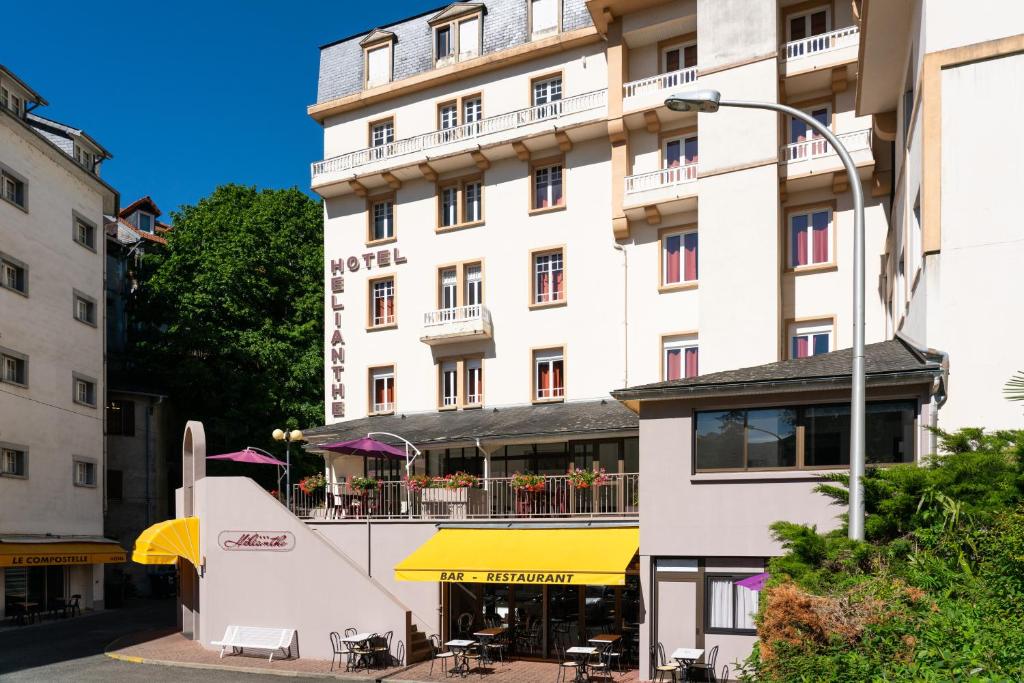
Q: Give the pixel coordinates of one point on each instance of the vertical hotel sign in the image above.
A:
(370, 260)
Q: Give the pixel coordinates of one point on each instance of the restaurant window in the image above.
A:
(84, 472)
(549, 375)
(12, 189)
(13, 275)
(544, 17)
(548, 278)
(449, 382)
(85, 233)
(121, 418)
(547, 187)
(85, 309)
(805, 437)
(115, 485)
(810, 339)
(85, 391)
(810, 238)
(460, 203)
(382, 218)
(382, 390)
(14, 368)
(378, 65)
(730, 608)
(678, 57)
(806, 24)
(474, 382)
(13, 462)
(679, 357)
(382, 304)
(678, 257)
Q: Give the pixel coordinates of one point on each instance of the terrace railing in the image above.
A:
(494, 498)
(815, 147)
(471, 130)
(654, 84)
(664, 177)
(824, 42)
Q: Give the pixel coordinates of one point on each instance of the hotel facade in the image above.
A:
(627, 329)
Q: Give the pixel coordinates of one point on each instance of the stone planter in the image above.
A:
(444, 503)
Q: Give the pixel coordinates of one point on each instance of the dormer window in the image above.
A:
(143, 221)
(84, 157)
(544, 18)
(456, 33)
(12, 102)
(377, 57)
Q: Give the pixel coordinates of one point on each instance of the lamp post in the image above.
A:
(287, 437)
(708, 102)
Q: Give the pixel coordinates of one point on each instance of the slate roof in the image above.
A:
(885, 363)
(52, 128)
(521, 422)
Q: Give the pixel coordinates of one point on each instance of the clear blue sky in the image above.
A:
(188, 95)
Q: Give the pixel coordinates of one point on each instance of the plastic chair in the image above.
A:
(437, 653)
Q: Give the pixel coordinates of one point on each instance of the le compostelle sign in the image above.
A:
(274, 541)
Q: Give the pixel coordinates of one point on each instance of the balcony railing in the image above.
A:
(654, 84)
(661, 178)
(494, 498)
(833, 40)
(457, 314)
(456, 323)
(816, 147)
(467, 131)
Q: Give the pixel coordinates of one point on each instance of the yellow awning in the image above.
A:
(59, 553)
(584, 556)
(165, 542)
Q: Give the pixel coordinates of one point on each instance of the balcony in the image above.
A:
(490, 131)
(674, 189)
(815, 157)
(821, 51)
(457, 324)
(650, 92)
(493, 498)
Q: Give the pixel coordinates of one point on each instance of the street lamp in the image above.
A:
(708, 102)
(287, 437)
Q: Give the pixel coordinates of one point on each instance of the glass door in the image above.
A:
(449, 294)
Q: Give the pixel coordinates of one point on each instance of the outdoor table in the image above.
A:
(25, 607)
(605, 638)
(459, 648)
(686, 656)
(354, 642)
(580, 655)
(485, 637)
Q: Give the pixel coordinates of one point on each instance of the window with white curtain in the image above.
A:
(730, 608)
(474, 381)
(449, 384)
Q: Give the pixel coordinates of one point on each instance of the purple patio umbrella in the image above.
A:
(365, 447)
(248, 455)
(755, 582)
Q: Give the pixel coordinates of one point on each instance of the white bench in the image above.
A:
(258, 637)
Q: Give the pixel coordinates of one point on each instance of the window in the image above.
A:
(474, 285)
(547, 91)
(382, 133)
(455, 39)
(678, 258)
(84, 157)
(449, 384)
(382, 218)
(378, 65)
(474, 382)
(810, 339)
(85, 473)
(679, 357)
(731, 608)
(15, 368)
(85, 391)
(447, 116)
(549, 375)
(810, 238)
(448, 281)
(13, 462)
(382, 308)
(472, 109)
(85, 309)
(807, 24)
(5, 96)
(382, 390)
(547, 187)
(544, 17)
(460, 203)
(12, 189)
(121, 418)
(678, 57)
(13, 275)
(548, 278)
(804, 141)
(803, 437)
(680, 152)
(443, 45)
(85, 233)
(115, 485)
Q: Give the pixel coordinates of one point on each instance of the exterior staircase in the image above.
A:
(418, 648)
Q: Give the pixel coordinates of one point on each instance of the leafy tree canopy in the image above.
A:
(231, 314)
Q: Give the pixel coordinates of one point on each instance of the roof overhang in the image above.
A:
(884, 39)
(36, 97)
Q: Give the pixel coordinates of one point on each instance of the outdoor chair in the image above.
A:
(661, 666)
(565, 665)
(704, 671)
(725, 674)
(464, 624)
(612, 655)
(497, 646)
(349, 632)
(436, 653)
(596, 664)
(74, 606)
(341, 650)
(399, 658)
(363, 653)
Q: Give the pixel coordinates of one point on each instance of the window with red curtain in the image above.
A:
(548, 187)
(383, 391)
(679, 254)
(680, 360)
(811, 344)
(673, 153)
(384, 302)
(810, 238)
(549, 278)
(550, 381)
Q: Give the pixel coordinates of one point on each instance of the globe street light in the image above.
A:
(287, 437)
(708, 102)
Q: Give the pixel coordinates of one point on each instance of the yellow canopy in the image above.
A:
(584, 556)
(165, 542)
(59, 553)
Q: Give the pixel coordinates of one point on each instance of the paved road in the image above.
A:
(72, 649)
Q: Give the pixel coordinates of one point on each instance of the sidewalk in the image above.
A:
(173, 649)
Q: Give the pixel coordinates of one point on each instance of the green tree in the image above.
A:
(231, 314)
